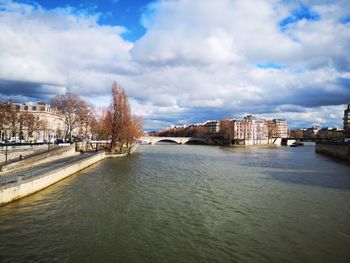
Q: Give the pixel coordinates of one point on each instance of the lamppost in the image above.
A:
(48, 143)
(6, 154)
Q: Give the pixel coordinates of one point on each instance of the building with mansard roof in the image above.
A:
(34, 122)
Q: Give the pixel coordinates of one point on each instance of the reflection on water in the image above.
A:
(172, 203)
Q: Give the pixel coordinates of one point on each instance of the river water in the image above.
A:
(178, 203)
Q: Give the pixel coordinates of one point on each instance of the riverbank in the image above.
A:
(339, 150)
(22, 183)
(123, 154)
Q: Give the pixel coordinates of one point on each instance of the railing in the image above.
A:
(32, 159)
(21, 152)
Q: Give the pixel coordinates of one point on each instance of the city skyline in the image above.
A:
(183, 61)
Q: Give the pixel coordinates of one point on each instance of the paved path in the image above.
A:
(37, 171)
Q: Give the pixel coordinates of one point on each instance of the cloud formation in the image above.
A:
(59, 47)
(197, 60)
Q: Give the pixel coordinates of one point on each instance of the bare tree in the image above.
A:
(227, 130)
(26, 122)
(44, 128)
(5, 116)
(117, 115)
(99, 124)
(272, 129)
(135, 129)
(73, 108)
(296, 133)
(122, 127)
(88, 116)
(13, 119)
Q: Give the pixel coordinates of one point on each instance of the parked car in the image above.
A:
(58, 141)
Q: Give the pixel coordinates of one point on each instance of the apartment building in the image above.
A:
(44, 123)
(346, 121)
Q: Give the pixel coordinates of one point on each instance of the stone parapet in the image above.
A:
(14, 152)
(44, 157)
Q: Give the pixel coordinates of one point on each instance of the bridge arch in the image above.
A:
(179, 140)
(165, 140)
(196, 141)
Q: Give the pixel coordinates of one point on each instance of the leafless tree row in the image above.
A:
(114, 123)
(75, 110)
(198, 131)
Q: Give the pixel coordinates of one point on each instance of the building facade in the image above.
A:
(250, 130)
(212, 126)
(330, 133)
(37, 122)
(311, 133)
(346, 122)
(281, 128)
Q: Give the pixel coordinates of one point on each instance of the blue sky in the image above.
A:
(183, 61)
(299, 13)
(111, 12)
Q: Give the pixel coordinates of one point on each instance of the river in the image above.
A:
(178, 203)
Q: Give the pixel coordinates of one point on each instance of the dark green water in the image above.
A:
(170, 203)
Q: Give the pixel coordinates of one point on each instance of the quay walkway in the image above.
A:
(39, 170)
(20, 183)
(26, 179)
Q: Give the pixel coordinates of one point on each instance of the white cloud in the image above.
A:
(212, 32)
(320, 116)
(57, 46)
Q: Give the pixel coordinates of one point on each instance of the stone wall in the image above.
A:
(272, 141)
(89, 146)
(44, 157)
(337, 150)
(14, 152)
(21, 189)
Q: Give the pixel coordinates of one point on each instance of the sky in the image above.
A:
(183, 61)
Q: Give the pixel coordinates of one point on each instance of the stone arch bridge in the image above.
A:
(179, 140)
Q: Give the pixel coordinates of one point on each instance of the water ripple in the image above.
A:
(188, 204)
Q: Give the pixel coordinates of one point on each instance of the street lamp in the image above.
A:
(6, 154)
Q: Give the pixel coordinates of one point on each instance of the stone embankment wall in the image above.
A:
(272, 141)
(14, 152)
(119, 155)
(288, 141)
(22, 189)
(337, 150)
(44, 157)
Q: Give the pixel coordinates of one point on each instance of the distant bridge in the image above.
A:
(179, 140)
